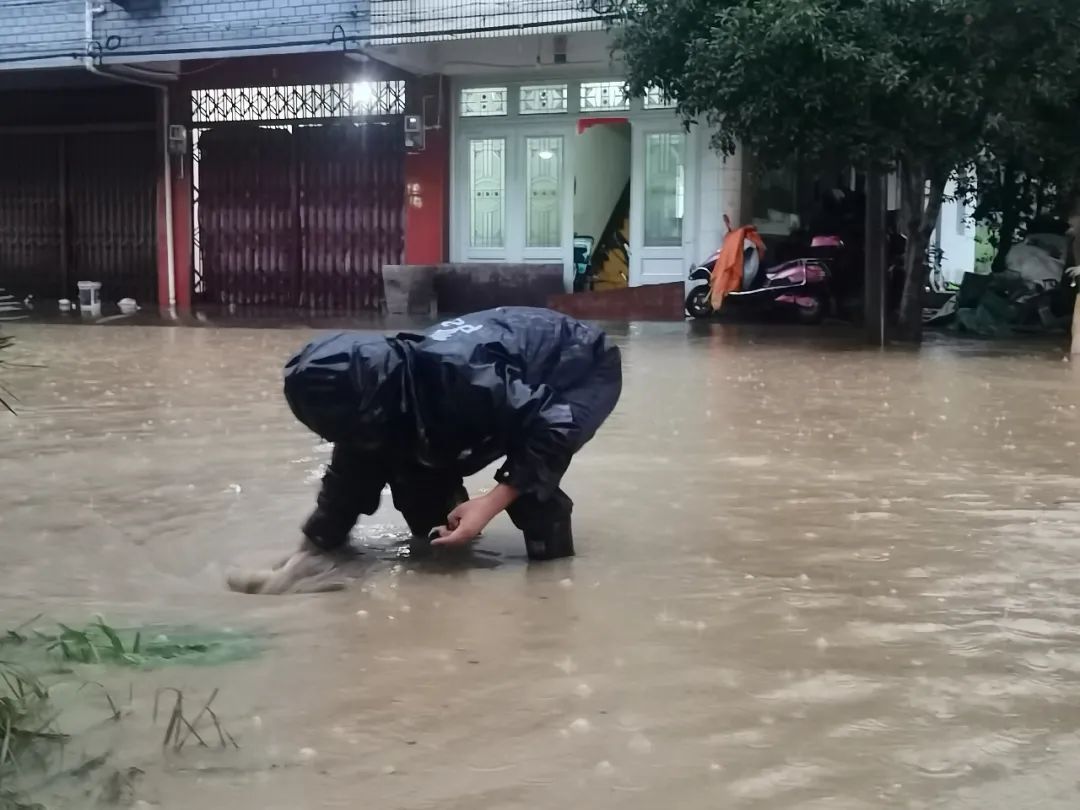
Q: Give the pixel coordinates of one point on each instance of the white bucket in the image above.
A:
(90, 297)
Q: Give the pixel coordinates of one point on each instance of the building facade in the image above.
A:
(279, 155)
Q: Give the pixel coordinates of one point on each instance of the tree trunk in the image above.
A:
(909, 326)
(923, 209)
(1010, 217)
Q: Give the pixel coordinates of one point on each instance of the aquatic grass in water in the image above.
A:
(26, 722)
(12, 801)
(31, 660)
(101, 643)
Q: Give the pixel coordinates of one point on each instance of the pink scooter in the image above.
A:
(801, 286)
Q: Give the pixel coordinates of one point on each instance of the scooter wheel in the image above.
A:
(815, 314)
(698, 302)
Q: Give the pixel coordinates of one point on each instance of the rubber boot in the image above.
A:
(551, 542)
(546, 524)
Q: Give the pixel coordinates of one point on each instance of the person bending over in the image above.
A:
(419, 412)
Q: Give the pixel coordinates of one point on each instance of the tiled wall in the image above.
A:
(720, 193)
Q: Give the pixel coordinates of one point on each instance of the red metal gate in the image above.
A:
(30, 230)
(296, 216)
(111, 190)
(78, 206)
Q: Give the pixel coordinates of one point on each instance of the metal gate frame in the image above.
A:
(287, 107)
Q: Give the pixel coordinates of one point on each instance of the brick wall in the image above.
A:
(43, 32)
(47, 33)
(164, 25)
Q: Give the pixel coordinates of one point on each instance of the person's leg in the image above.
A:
(425, 498)
(546, 525)
(352, 486)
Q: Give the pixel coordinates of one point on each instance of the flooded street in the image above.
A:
(809, 576)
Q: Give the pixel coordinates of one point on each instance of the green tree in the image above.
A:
(922, 86)
(1029, 167)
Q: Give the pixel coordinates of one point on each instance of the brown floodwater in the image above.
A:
(810, 576)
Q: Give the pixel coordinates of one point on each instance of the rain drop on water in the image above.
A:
(640, 744)
(581, 726)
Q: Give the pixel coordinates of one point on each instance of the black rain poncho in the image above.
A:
(529, 385)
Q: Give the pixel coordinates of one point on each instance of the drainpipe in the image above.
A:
(169, 245)
(130, 78)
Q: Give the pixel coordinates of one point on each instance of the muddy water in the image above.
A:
(810, 576)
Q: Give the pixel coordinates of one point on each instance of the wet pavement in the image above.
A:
(810, 576)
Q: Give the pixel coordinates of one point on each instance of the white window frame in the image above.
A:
(515, 128)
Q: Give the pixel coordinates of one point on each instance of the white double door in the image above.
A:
(514, 199)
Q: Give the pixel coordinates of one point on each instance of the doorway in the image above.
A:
(602, 170)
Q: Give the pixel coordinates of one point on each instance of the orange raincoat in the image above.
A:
(727, 274)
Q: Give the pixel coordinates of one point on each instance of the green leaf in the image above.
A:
(111, 635)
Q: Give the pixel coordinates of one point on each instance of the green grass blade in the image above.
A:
(113, 637)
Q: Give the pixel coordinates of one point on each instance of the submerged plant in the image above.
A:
(33, 750)
(102, 643)
(26, 722)
(175, 733)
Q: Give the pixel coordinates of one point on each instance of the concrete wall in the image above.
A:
(603, 159)
(498, 54)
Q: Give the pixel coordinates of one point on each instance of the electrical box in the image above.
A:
(558, 49)
(414, 133)
(177, 139)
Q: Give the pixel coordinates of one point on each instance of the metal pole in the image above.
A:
(170, 242)
(62, 214)
(875, 286)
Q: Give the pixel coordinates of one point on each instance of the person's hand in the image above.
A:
(466, 522)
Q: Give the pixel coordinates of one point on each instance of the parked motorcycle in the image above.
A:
(800, 286)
